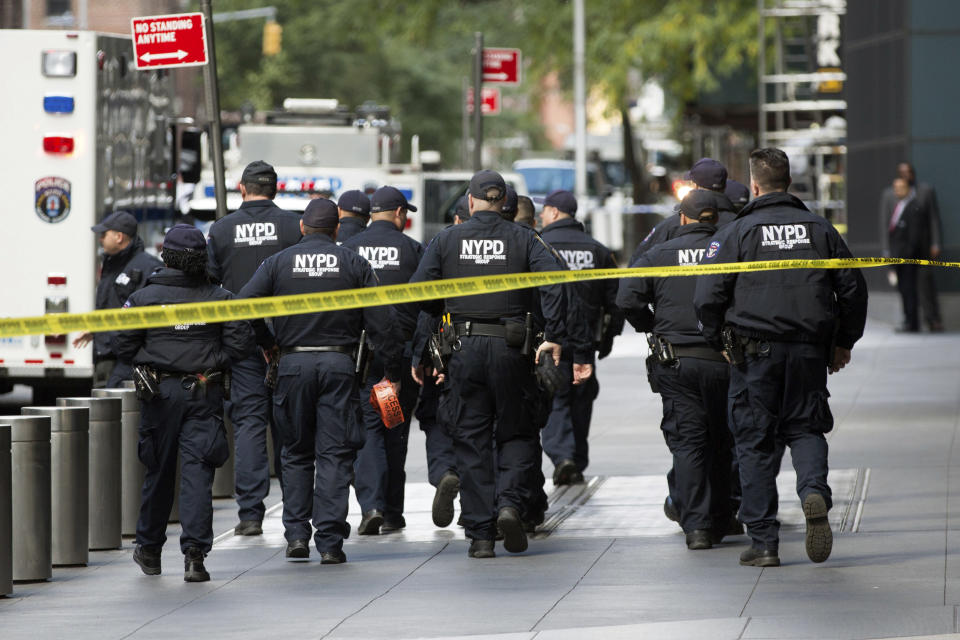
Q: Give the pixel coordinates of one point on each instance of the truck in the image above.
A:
(320, 148)
(86, 134)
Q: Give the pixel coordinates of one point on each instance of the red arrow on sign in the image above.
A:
(501, 66)
(489, 101)
(176, 40)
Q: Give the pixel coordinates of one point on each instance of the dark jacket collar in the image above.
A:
(563, 223)
(256, 204)
(484, 217)
(176, 278)
(383, 225)
(316, 238)
(695, 227)
(119, 260)
(774, 199)
(353, 221)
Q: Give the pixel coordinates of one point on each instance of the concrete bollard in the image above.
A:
(69, 482)
(104, 471)
(30, 469)
(132, 470)
(6, 513)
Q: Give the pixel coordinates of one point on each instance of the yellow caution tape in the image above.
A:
(251, 308)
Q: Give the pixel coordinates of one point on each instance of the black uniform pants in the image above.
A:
(565, 436)
(317, 406)
(491, 404)
(907, 280)
(694, 425)
(778, 400)
(927, 289)
(439, 444)
(190, 422)
(380, 474)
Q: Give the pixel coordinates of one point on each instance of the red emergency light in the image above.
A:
(58, 144)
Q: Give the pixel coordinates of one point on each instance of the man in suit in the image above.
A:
(926, 198)
(908, 233)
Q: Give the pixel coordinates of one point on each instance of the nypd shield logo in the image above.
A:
(52, 199)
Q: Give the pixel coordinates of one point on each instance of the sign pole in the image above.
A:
(212, 95)
(477, 110)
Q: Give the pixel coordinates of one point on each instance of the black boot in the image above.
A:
(514, 537)
(699, 539)
(447, 490)
(370, 524)
(148, 559)
(193, 569)
(481, 549)
(757, 557)
(819, 535)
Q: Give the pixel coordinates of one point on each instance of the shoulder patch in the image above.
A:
(713, 249)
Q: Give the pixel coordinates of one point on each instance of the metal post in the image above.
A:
(6, 513)
(30, 458)
(579, 102)
(212, 95)
(477, 101)
(464, 125)
(761, 70)
(132, 470)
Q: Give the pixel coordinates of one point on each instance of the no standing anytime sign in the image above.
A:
(177, 40)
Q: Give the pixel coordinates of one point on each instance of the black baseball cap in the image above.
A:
(122, 221)
(488, 185)
(708, 173)
(738, 193)
(388, 199)
(510, 201)
(259, 172)
(696, 202)
(184, 237)
(355, 201)
(321, 213)
(462, 208)
(562, 199)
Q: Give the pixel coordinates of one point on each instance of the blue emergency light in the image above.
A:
(58, 104)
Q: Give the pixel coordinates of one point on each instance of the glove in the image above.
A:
(548, 374)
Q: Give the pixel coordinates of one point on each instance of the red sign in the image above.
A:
(501, 66)
(177, 40)
(489, 101)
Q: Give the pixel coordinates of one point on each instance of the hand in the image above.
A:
(935, 252)
(726, 356)
(841, 358)
(582, 373)
(271, 353)
(83, 340)
(440, 377)
(551, 347)
(418, 373)
(395, 385)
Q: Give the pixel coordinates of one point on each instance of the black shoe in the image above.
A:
(370, 524)
(148, 559)
(298, 550)
(565, 472)
(754, 557)
(699, 539)
(193, 569)
(447, 490)
(819, 534)
(670, 510)
(481, 549)
(393, 525)
(577, 478)
(248, 528)
(332, 557)
(514, 537)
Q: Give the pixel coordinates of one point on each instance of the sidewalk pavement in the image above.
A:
(607, 564)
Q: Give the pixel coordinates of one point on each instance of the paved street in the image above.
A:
(607, 563)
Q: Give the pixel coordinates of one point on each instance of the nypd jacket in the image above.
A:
(183, 348)
(394, 257)
(486, 244)
(589, 300)
(349, 227)
(673, 316)
(317, 264)
(802, 305)
(240, 241)
(121, 275)
(667, 229)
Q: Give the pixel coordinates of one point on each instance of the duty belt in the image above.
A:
(479, 329)
(333, 348)
(701, 353)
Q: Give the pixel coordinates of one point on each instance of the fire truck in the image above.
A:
(86, 134)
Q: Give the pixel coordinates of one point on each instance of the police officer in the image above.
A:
(316, 400)
(380, 475)
(182, 411)
(239, 242)
(782, 330)
(125, 268)
(565, 436)
(691, 376)
(491, 378)
(737, 193)
(525, 212)
(354, 210)
(707, 174)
